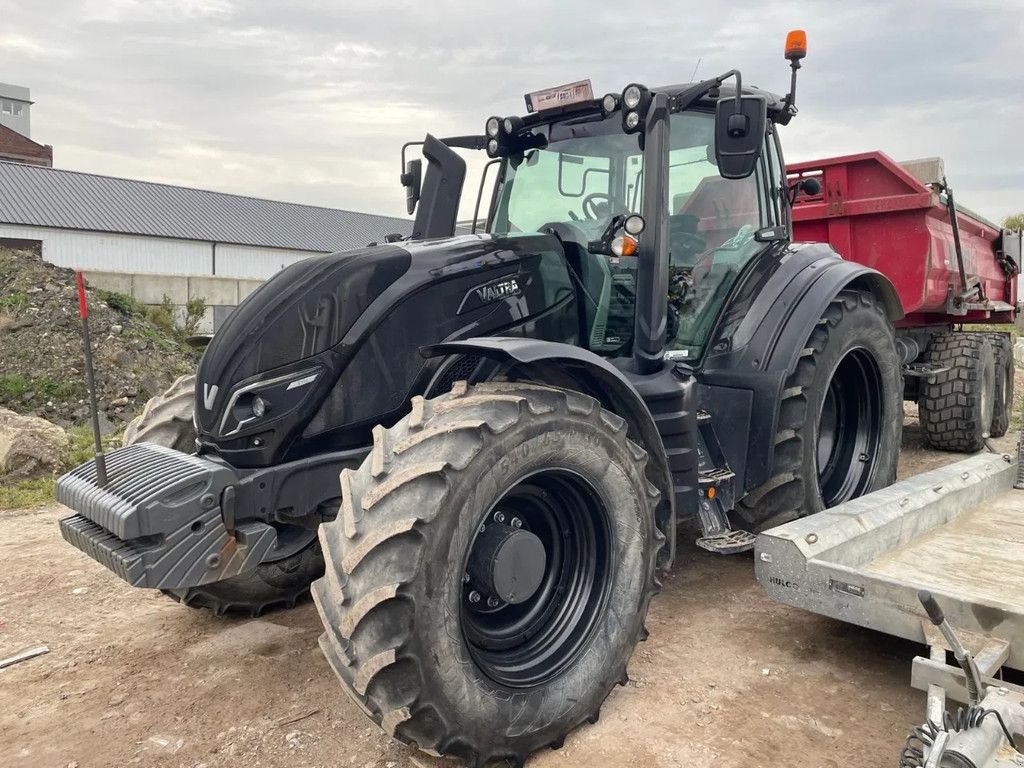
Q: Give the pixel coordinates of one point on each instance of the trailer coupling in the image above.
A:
(984, 734)
(159, 520)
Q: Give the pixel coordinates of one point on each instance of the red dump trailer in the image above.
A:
(950, 268)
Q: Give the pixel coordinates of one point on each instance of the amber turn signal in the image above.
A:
(624, 245)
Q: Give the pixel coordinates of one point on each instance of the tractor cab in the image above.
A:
(659, 198)
(587, 182)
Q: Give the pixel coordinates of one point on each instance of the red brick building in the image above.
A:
(16, 148)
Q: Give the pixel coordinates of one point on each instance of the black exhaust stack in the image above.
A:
(83, 310)
(442, 188)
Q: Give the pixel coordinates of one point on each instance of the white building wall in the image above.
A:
(256, 263)
(138, 254)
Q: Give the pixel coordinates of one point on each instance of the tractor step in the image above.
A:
(728, 543)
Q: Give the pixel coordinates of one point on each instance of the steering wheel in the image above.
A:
(590, 204)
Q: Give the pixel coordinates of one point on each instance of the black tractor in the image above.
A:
(519, 416)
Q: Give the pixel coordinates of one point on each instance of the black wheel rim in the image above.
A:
(532, 642)
(850, 429)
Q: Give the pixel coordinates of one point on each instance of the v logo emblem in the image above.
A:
(209, 396)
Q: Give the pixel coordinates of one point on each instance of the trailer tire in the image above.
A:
(406, 630)
(840, 420)
(956, 407)
(1002, 411)
(167, 420)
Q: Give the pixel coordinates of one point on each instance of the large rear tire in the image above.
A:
(841, 418)
(417, 625)
(956, 407)
(167, 420)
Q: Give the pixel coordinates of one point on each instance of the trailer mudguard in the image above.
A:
(760, 335)
(569, 366)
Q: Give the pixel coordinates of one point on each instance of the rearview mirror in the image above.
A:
(739, 134)
(412, 180)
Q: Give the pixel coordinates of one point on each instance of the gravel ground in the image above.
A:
(728, 678)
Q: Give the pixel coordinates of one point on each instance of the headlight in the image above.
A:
(512, 125)
(259, 407)
(493, 127)
(634, 224)
(631, 96)
(632, 120)
(492, 147)
(609, 103)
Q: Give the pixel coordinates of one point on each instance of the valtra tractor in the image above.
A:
(520, 416)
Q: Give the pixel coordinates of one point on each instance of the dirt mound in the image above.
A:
(137, 351)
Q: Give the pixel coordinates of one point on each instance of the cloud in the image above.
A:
(311, 101)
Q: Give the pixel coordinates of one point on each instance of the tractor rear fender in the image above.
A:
(760, 337)
(570, 367)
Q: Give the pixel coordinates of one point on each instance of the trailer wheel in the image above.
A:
(956, 408)
(1002, 411)
(841, 417)
(167, 420)
(490, 569)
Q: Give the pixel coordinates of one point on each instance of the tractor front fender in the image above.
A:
(570, 367)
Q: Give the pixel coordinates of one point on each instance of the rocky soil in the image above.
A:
(41, 362)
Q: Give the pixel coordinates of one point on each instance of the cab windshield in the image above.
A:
(589, 172)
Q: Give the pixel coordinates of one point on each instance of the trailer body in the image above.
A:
(896, 218)
(957, 531)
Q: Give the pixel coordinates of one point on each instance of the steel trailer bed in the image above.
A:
(957, 531)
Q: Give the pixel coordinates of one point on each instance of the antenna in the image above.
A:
(83, 311)
(694, 75)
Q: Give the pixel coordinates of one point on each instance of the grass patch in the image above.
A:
(13, 386)
(26, 494)
(119, 302)
(39, 491)
(14, 303)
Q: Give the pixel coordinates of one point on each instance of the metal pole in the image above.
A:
(83, 310)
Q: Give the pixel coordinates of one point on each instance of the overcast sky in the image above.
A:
(311, 101)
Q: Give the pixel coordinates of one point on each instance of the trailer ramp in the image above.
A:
(957, 531)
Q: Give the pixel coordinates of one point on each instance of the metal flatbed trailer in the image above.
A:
(955, 534)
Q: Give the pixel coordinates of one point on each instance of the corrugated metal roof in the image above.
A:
(52, 197)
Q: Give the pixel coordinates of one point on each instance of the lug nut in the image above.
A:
(492, 602)
(516, 522)
(499, 517)
(474, 597)
(465, 578)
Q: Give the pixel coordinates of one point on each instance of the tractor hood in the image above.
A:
(329, 346)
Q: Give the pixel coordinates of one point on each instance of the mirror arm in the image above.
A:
(405, 146)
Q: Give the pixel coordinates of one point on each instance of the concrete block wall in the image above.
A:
(221, 294)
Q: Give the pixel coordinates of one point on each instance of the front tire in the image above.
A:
(444, 656)
(841, 418)
(167, 420)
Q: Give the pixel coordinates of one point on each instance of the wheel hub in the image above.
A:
(508, 563)
(536, 577)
